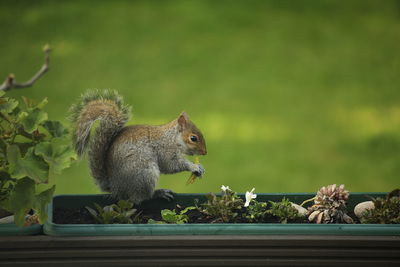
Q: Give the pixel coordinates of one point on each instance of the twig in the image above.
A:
(11, 83)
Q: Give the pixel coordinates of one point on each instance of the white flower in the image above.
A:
(249, 197)
(224, 188)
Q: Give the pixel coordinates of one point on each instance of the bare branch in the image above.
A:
(11, 83)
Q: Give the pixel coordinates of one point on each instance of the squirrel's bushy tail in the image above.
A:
(106, 107)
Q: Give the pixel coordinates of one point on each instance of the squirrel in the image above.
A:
(127, 161)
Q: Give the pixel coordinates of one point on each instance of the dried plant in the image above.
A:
(330, 205)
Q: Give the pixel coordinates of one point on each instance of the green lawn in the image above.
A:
(290, 95)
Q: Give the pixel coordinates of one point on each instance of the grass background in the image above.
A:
(290, 95)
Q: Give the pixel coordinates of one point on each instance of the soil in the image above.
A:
(82, 216)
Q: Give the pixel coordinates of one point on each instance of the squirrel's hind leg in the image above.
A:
(135, 184)
(164, 193)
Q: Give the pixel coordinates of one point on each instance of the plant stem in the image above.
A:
(308, 200)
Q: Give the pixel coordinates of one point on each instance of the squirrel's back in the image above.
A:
(107, 108)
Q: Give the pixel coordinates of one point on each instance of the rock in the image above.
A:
(302, 211)
(8, 219)
(360, 208)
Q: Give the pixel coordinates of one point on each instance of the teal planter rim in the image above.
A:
(11, 229)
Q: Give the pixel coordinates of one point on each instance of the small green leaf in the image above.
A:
(151, 221)
(21, 116)
(187, 209)
(33, 120)
(124, 205)
(41, 201)
(32, 166)
(42, 103)
(92, 211)
(55, 128)
(7, 105)
(56, 153)
(32, 104)
(28, 101)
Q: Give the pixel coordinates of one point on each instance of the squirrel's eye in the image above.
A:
(193, 138)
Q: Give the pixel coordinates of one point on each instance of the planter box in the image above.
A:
(157, 245)
(10, 229)
(75, 201)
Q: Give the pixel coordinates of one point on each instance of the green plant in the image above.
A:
(173, 217)
(32, 149)
(121, 212)
(386, 211)
(256, 211)
(222, 208)
(284, 210)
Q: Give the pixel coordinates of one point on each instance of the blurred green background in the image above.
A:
(290, 95)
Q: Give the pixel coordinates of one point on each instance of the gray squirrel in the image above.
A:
(128, 160)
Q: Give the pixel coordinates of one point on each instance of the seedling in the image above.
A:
(284, 210)
(173, 217)
(386, 211)
(222, 208)
(256, 211)
(122, 212)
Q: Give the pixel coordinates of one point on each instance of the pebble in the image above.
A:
(302, 211)
(360, 208)
(8, 219)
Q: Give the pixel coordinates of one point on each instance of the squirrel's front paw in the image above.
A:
(199, 170)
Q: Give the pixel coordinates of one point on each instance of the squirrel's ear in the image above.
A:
(183, 119)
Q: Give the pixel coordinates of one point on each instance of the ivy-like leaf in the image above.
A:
(21, 116)
(21, 200)
(57, 153)
(7, 105)
(55, 128)
(33, 120)
(31, 104)
(41, 201)
(30, 165)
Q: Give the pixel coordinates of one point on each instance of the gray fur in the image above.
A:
(135, 166)
(123, 160)
(110, 125)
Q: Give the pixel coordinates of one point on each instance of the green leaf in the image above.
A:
(42, 103)
(41, 201)
(21, 116)
(2, 93)
(92, 211)
(187, 209)
(7, 105)
(21, 200)
(151, 221)
(55, 128)
(32, 104)
(32, 166)
(33, 120)
(124, 204)
(56, 153)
